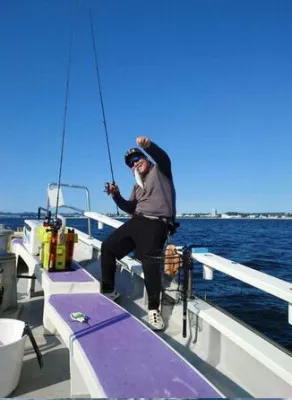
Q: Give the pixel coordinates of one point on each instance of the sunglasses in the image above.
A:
(133, 160)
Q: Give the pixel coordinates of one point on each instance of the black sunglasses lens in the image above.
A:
(133, 160)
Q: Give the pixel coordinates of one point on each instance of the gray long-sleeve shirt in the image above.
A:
(158, 197)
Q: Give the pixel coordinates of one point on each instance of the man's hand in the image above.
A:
(143, 142)
(112, 189)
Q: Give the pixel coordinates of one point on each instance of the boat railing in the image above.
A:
(268, 284)
(51, 201)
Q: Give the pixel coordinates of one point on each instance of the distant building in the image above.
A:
(214, 212)
(229, 216)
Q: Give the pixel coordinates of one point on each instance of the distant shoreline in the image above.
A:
(178, 217)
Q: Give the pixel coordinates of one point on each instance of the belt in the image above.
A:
(166, 220)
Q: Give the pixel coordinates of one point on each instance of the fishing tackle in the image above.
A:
(47, 220)
(64, 129)
(107, 188)
(55, 224)
(187, 266)
(101, 103)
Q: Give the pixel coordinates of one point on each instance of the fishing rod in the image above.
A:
(102, 104)
(187, 283)
(64, 128)
(57, 223)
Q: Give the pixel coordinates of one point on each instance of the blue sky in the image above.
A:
(209, 81)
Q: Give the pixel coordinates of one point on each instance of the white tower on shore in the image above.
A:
(214, 212)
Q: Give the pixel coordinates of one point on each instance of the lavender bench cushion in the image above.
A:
(17, 240)
(127, 357)
(78, 274)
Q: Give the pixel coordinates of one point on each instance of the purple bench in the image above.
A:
(115, 355)
(76, 274)
(78, 280)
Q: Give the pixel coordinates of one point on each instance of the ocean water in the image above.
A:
(265, 245)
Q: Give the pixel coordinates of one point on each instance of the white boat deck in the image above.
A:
(53, 380)
(206, 347)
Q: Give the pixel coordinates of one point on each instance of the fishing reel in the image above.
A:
(52, 223)
(187, 286)
(107, 188)
(55, 224)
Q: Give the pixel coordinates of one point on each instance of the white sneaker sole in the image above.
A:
(112, 296)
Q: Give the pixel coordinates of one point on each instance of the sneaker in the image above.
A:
(114, 295)
(155, 320)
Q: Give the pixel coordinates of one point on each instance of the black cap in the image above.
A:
(133, 152)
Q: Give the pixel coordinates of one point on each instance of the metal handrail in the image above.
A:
(69, 185)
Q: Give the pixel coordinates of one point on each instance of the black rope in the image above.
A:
(101, 100)
(64, 122)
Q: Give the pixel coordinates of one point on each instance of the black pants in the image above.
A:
(144, 236)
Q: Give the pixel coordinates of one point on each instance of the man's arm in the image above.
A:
(159, 156)
(128, 206)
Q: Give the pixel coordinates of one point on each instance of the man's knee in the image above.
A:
(106, 247)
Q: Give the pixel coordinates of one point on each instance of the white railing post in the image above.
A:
(207, 273)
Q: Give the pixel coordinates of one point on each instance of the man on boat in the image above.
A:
(153, 210)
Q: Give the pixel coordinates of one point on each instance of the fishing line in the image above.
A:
(64, 122)
(101, 100)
